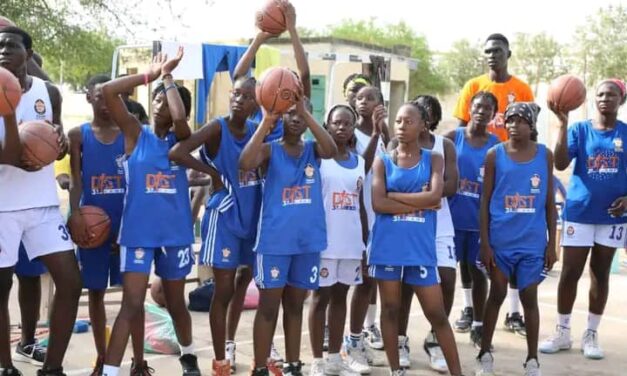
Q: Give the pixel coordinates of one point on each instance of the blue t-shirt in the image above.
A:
(405, 239)
(292, 213)
(518, 203)
(276, 132)
(464, 204)
(157, 211)
(599, 175)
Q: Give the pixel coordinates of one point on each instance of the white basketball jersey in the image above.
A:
(20, 189)
(362, 143)
(341, 187)
(444, 220)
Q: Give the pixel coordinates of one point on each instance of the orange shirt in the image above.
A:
(514, 90)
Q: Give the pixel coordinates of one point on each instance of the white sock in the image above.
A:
(514, 300)
(371, 315)
(593, 321)
(467, 297)
(477, 323)
(187, 349)
(110, 370)
(334, 358)
(563, 320)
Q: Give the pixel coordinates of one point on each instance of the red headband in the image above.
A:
(619, 83)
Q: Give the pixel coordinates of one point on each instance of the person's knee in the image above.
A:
(436, 316)
(390, 310)
(529, 298)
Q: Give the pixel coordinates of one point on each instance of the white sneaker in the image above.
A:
(398, 372)
(373, 337)
(590, 345)
(560, 340)
(338, 367)
(356, 355)
(403, 352)
(485, 365)
(229, 354)
(434, 352)
(532, 368)
(275, 356)
(317, 367)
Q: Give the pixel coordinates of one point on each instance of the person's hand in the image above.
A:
(378, 120)
(78, 229)
(301, 99)
(618, 207)
(154, 70)
(562, 115)
(550, 257)
(486, 256)
(62, 140)
(290, 14)
(269, 118)
(171, 64)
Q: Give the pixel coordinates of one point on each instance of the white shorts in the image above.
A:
(41, 230)
(346, 272)
(586, 235)
(445, 248)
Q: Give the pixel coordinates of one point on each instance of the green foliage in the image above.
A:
(422, 80)
(464, 61)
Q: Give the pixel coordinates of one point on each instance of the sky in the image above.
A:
(441, 21)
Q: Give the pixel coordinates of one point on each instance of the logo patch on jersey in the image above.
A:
(324, 273)
(226, 252)
(511, 97)
(618, 145)
(160, 183)
(119, 162)
(523, 204)
(535, 183)
(40, 107)
(360, 184)
(274, 272)
(309, 174)
(249, 178)
(603, 165)
(139, 256)
(469, 188)
(416, 217)
(570, 231)
(107, 184)
(297, 195)
(344, 201)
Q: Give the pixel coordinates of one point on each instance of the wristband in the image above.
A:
(173, 86)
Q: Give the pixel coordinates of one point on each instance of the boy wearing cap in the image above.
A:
(517, 227)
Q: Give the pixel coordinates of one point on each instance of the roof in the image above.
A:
(401, 50)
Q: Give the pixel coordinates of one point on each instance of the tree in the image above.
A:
(464, 61)
(424, 79)
(538, 57)
(600, 46)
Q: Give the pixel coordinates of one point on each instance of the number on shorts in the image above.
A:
(183, 257)
(64, 234)
(424, 272)
(450, 251)
(617, 235)
(314, 274)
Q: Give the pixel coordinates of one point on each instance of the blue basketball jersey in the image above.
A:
(599, 176)
(276, 132)
(464, 204)
(102, 175)
(405, 239)
(244, 187)
(292, 212)
(157, 211)
(518, 203)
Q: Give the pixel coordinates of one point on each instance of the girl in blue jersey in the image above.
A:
(517, 227)
(594, 221)
(156, 220)
(96, 152)
(472, 142)
(231, 215)
(292, 230)
(407, 186)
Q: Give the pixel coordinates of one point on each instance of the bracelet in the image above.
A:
(167, 75)
(145, 79)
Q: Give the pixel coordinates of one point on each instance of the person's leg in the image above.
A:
(293, 299)
(407, 295)
(223, 292)
(242, 279)
(174, 291)
(337, 316)
(390, 291)
(463, 324)
(573, 264)
(600, 265)
(98, 319)
(137, 339)
(29, 298)
(529, 300)
(317, 318)
(448, 277)
(6, 282)
(360, 301)
(265, 322)
(498, 291)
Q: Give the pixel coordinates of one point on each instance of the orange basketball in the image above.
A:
(567, 93)
(40, 145)
(277, 90)
(270, 18)
(10, 92)
(98, 223)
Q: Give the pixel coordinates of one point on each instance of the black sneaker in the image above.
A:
(141, 369)
(465, 321)
(10, 372)
(189, 362)
(515, 324)
(476, 333)
(33, 353)
(260, 372)
(293, 369)
(51, 372)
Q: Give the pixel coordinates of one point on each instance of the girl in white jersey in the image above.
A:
(340, 266)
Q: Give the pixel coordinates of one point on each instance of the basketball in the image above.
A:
(40, 145)
(567, 93)
(271, 18)
(10, 92)
(277, 90)
(98, 223)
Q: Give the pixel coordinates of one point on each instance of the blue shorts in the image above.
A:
(422, 276)
(100, 267)
(27, 268)
(276, 271)
(220, 247)
(467, 246)
(521, 266)
(171, 263)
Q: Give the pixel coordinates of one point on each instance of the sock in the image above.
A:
(467, 297)
(189, 349)
(477, 323)
(334, 358)
(371, 315)
(110, 370)
(514, 300)
(563, 320)
(593, 321)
